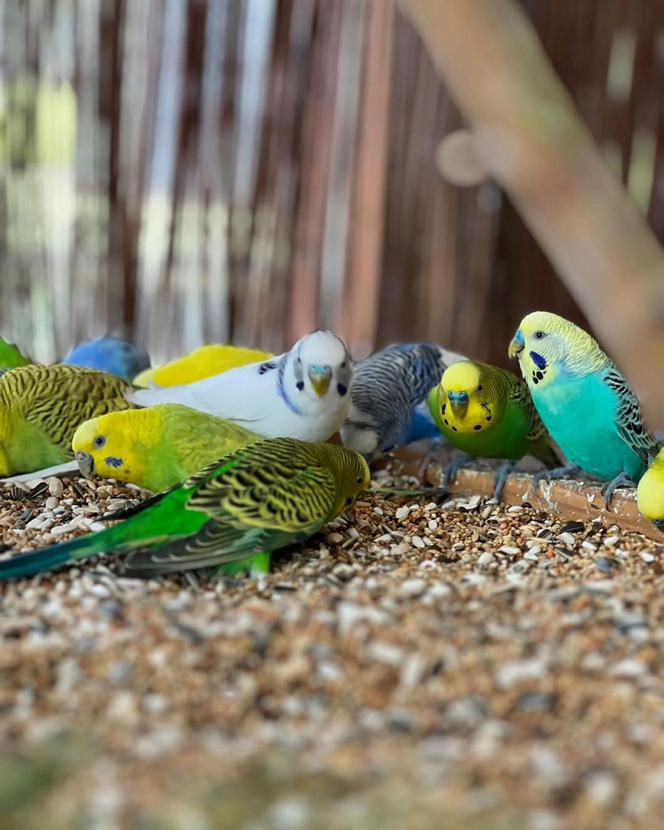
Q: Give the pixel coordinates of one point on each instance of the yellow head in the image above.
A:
(354, 474)
(114, 445)
(468, 402)
(547, 344)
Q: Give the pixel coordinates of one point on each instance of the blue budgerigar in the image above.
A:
(389, 397)
(110, 354)
(584, 401)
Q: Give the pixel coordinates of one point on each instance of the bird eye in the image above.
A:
(479, 388)
(359, 480)
(539, 335)
(99, 442)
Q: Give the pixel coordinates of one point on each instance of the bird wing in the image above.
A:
(520, 395)
(254, 504)
(56, 399)
(628, 417)
(238, 394)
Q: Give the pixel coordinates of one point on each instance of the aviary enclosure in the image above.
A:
(250, 169)
(389, 653)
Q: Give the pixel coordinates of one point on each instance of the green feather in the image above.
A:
(11, 356)
(253, 501)
(41, 407)
(511, 427)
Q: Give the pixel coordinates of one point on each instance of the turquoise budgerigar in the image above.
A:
(584, 401)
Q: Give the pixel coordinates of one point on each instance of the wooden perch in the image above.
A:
(568, 499)
(532, 141)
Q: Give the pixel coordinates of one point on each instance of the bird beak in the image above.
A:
(458, 404)
(86, 463)
(517, 345)
(320, 377)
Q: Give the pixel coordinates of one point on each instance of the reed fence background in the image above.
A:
(248, 170)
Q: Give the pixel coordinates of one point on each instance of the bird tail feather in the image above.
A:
(46, 559)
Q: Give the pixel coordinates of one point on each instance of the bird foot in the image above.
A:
(501, 477)
(619, 481)
(555, 474)
(457, 463)
(255, 566)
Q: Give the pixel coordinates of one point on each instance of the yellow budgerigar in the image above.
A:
(157, 447)
(650, 491)
(203, 362)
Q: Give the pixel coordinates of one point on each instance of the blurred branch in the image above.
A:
(531, 140)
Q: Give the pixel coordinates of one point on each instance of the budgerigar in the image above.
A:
(301, 394)
(41, 407)
(389, 397)
(11, 356)
(650, 492)
(488, 413)
(109, 354)
(157, 447)
(203, 362)
(586, 404)
(247, 504)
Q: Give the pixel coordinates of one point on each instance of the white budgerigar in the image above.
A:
(301, 394)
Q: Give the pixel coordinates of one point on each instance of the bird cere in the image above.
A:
(238, 446)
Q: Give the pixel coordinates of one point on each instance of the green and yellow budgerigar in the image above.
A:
(487, 412)
(11, 356)
(157, 447)
(253, 501)
(41, 407)
(203, 362)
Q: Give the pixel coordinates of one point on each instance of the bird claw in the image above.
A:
(620, 480)
(501, 478)
(555, 474)
(457, 463)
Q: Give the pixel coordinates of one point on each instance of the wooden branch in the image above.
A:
(534, 144)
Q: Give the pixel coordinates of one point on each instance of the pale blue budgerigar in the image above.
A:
(389, 397)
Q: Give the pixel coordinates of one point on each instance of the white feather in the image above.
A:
(251, 395)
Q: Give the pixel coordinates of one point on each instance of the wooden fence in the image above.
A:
(248, 170)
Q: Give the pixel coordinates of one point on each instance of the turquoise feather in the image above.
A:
(581, 413)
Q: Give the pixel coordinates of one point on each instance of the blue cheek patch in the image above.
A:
(538, 360)
(112, 461)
